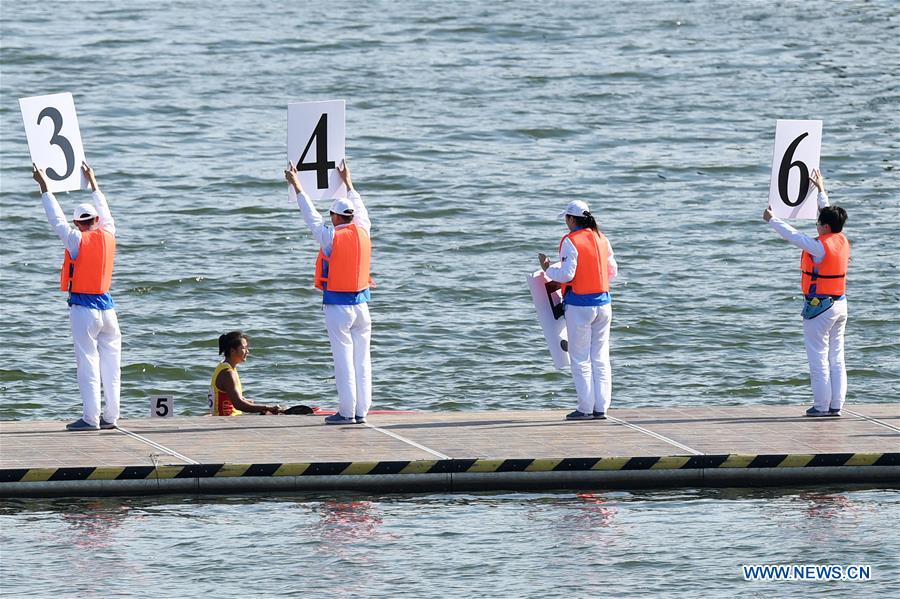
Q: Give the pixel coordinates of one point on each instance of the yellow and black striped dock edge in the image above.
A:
(448, 466)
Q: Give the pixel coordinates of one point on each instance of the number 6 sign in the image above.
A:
(315, 146)
(798, 145)
(54, 139)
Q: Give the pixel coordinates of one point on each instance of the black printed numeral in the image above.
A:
(58, 140)
(322, 165)
(785, 170)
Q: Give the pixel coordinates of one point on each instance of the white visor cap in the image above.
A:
(575, 208)
(342, 206)
(84, 212)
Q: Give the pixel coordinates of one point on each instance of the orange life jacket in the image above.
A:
(347, 268)
(592, 270)
(830, 276)
(91, 271)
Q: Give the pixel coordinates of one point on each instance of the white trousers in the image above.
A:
(824, 337)
(98, 354)
(588, 332)
(350, 333)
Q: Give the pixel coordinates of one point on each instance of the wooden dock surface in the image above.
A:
(450, 451)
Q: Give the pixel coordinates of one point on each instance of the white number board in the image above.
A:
(548, 305)
(315, 145)
(54, 140)
(162, 406)
(798, 145)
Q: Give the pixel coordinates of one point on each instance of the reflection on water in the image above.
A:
(587, 524)
(95, 526)
(596, 510)
(828, 506)
(347, 521)
(535, 545)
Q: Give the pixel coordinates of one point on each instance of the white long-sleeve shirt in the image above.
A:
(795, 237)
(323, 233)
(564, 270)
(70, 235)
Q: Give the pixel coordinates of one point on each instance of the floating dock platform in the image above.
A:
(737, 446)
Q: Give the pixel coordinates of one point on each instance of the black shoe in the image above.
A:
(833, 412)
(576, 415)
(81, 425)
(107, 425)
(338, 419)
(599, 415)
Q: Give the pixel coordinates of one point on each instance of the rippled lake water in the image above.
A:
(469, 126)
(659, 544)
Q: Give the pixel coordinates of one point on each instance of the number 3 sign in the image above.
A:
(54, 139)
(315, 146)
(798, 145)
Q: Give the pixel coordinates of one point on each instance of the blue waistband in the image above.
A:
(346, 298)
(836, 298)
(587, 299)
(99, 301)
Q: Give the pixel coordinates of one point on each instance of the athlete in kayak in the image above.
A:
(226, 395)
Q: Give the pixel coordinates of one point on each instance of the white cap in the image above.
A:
(342, 206)
(84, 212)
(575, 208)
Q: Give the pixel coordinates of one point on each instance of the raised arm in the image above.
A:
(819, 181)
(322, 233)
(106, 219)
(792, 235)
(360, 212)
(795, 237)
(69, 235)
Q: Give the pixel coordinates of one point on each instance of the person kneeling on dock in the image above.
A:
(87, 276)
(823, 278)
(585, 268)
(226, 395)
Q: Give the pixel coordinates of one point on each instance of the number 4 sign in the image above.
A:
(316, 146)
(798, 145)
(54, 139)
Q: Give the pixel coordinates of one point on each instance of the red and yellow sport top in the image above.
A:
(219, 402)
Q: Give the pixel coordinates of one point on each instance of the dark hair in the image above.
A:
(586, 221)
(834, 217)
(346, 218)
(230, 341)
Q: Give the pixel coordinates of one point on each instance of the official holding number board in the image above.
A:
(586, 266)
(342, 273)
(823, 279)
(86, 275)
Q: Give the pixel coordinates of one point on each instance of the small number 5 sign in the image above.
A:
(54, 139)
(798, 145)
(161, 406)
